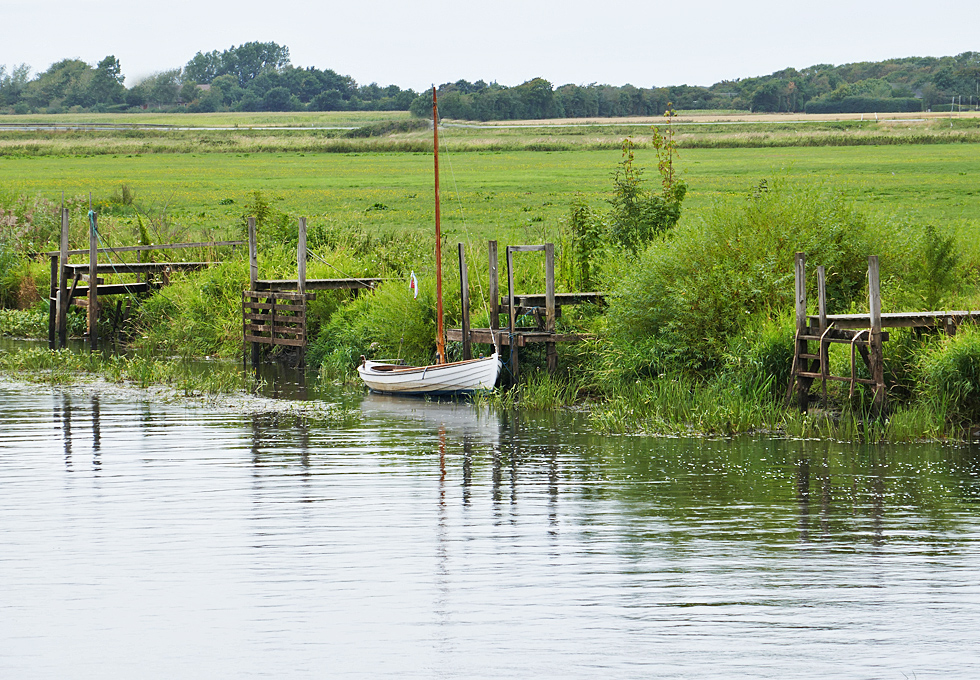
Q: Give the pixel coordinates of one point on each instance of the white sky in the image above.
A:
(421, 42)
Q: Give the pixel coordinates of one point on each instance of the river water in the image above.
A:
(434, 540)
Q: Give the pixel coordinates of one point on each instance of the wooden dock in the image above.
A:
(274, 311)
(863, 333)
(65, 278)
(544, 308)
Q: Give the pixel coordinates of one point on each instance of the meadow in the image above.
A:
(370, 214)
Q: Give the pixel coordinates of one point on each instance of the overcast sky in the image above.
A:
(421, 42)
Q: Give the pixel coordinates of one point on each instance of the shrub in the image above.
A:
(949, 375)
(704, 285)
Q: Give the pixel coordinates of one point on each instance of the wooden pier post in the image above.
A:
(93, 281)
(253, 276)
(62, 320)
(549, 305)
(464, 302)
(515, 361)
(877, 354)
(802, 383)
(301, 283)
(824, 349)
(494, 287)
(53, 304)
(301, 257)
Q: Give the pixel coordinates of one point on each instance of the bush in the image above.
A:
(949, 375)
(706, 284)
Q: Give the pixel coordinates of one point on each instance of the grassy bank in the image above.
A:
(697, 336)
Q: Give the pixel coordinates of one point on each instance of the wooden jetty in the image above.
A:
(274, 311)
(864, 333)
(544, 308)
(65, 277)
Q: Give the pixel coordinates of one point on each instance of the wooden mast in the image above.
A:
(440, 333)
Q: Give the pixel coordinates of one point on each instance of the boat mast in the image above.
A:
(440, 333)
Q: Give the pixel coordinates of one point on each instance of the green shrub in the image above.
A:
(949, 375)
(704, 285)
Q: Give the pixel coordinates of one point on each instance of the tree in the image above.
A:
(106, 85)
(12, 85)
(277, 99)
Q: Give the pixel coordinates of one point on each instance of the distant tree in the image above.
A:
(106, 86)
(65, 83)
(277, 99)
(12, 84)
(204, 67)
(162, 88)
(328, 100)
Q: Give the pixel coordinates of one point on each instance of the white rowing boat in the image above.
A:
(457, 378)
(460, 377)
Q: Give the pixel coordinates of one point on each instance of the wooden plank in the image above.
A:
(485, 336)
(316, 284)
(539, 299)
(275, 295)
(526, 249)
(275, 330)
(279, 307)
(114, 289)
(141, 267)
(836, 378)
(289, 342)
(282, 319)
(140, 249)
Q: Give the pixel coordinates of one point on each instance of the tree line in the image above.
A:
(258, 76)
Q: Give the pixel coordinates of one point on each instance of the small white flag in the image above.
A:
(413, 285)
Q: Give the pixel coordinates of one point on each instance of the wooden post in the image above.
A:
(877, 355)
(62, 320)
(512, 317)
(253, 276)
(549, 305)
(301, 257)
(822, 311)
(53, 303)
(494, 287)
(93, 282)
(464, 302)
(802, 384)
(253, 260)
(301, 282)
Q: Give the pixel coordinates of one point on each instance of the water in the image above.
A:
(434, 541)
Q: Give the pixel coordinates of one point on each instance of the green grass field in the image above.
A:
(526, 190)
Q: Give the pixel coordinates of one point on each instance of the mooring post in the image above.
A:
(53, 303)
(512, 318)
(802, 385)
(301, 257)
(464, 302)
(822, 311)
(549, 305)
(93, 281)
(301, 282)
(253, 276)
(62, 321)
(494, 287)
(877, 354)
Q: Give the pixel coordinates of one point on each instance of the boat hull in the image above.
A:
(461, 377)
